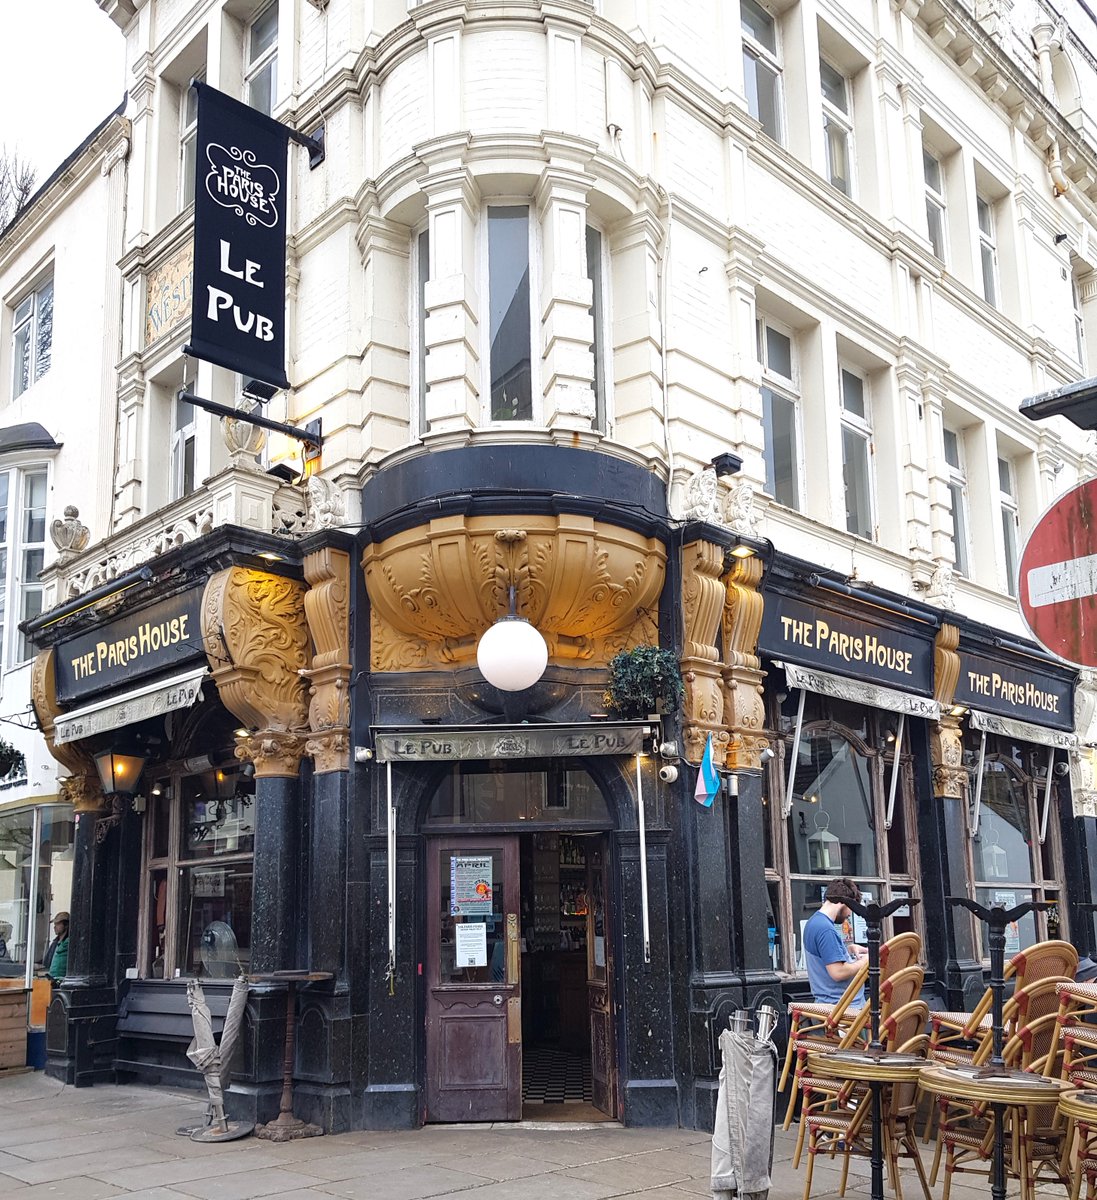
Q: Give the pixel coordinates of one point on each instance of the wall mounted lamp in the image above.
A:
(119, 773)
(727, 464)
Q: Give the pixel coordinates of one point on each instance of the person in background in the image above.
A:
(55, 962)
(830, 962)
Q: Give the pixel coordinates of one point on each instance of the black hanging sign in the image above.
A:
(239, 307)
(1016, 689)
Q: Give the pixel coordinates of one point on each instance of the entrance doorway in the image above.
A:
(519, 976)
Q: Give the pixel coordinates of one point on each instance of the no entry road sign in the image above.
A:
(1058, 577)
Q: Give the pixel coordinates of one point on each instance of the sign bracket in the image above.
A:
(314, 145)
(309, 435)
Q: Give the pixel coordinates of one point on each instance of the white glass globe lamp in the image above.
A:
(512, 655)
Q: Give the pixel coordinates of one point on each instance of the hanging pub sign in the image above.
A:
(866, 646)
(1022, 693)
(238, 316)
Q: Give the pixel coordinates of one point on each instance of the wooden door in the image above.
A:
(474, 995)
(603, 1042)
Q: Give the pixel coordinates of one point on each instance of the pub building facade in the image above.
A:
(490, 879)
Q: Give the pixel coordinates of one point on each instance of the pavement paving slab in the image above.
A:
(103, 1143)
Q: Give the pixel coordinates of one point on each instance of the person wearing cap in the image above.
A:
(56, 960)
(830, 962)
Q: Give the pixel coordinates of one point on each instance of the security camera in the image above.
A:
(668, 749)
(668, 773)
(767, 753)
(1062, 768)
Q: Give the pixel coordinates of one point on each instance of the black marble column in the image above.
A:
(646, 1029)
(275, 894)
(1079, 839)
(85, 924)
(328, 872)
(950, 948)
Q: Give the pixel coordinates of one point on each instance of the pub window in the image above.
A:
(188, 142)
(40, 857)
(838, 822)
(1007, 496)
(1009, 864)
(957, 491)
(492, 793)
(857, 451)
(988, 249)
(422, 277)
(762, 66)
(184, 431)
(597, 274)
(22, 556)
(837, 126)
(200, 845)
(32, 338)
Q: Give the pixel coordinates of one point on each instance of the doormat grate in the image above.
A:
(551, 1076)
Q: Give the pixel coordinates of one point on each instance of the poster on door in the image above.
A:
(471, 949)
(470, 885)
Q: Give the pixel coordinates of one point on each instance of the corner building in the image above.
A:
(561, 259)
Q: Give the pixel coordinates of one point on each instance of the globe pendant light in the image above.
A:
(512, 654)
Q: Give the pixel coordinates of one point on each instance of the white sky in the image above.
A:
(62, 70)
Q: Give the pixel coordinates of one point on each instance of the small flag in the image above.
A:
(708, 782)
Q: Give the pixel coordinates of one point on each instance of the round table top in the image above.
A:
(866, 1066)
(1007, 1087)
(1079, 1103)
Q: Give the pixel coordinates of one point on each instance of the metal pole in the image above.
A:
(795, 751)
(895, 768)
(32, 899)
(1047, 794)
(391, 851)
(979, 785)
(643, 861)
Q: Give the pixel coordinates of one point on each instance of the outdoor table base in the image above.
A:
(286, 1127)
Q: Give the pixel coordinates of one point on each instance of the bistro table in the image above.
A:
(285, 1127)
(1001, 1088)
(878, 1068)
(1077, 1106)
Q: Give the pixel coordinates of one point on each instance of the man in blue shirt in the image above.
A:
(831, 963)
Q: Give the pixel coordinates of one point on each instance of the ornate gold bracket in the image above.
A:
(257, 643)
(327, 607)
(702, 608)
(81, 788)
(590, 588)
(950, 779)
(744, 706)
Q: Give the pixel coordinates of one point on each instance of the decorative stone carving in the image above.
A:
(591, 588)
(744, 709)
(324, 506)
(702, 496)
(82, 787)
(1083, 781)
(946, 664)
(327, 607)
(69, 535)
(274, 753)
(1085, 706)
(950, 777)
(740, 512)
(244, 440)
(257, 642)
(942, 586)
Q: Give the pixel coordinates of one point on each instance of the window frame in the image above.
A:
(15, 588)
(786, 388)
(841, 119)
(860, 427)
(1010, 521)
(1079, 320)
(536, 417)
(188, 142)
(31, 322)
(988, 250)
(887, 881)
(937, 200)
(957, 487)
(1021, 765)
(419, 278)
(770, 61)
(601, 346)
(166, 787)
(255, 67)
(182, 434)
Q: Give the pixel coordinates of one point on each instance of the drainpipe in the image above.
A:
(1042, 37)
(664, 272)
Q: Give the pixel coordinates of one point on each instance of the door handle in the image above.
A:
(497, 1000)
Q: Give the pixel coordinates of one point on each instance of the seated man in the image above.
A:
(831, 963)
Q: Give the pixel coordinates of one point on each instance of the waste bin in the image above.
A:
(742, 1139)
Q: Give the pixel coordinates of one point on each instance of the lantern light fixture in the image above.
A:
(119, 773)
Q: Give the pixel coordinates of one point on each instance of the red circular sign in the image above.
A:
(1057, 584)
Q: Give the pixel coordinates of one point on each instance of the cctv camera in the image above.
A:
(668, 773)
(1062, 768)
(767, 753)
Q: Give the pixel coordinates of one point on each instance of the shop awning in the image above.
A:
(152, 700)
(1023, 731)
(860, 692)
(440, 743)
